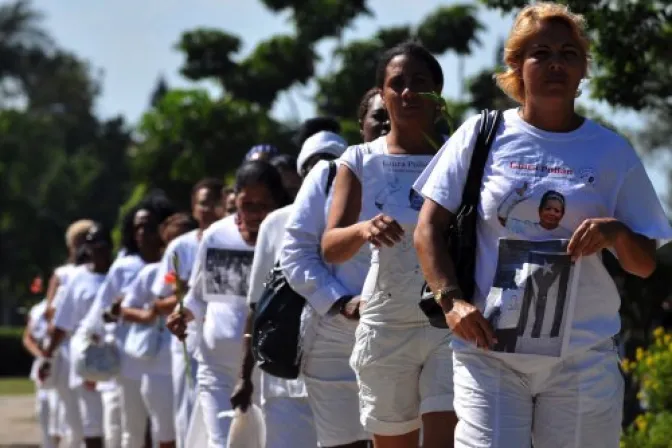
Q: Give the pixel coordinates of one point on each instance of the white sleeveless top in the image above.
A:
(394, 282)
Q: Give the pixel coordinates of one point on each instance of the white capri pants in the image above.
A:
(157, 393)
(331, 383)
(133, 414)
(578, 403)
(402, 374)
(289, 423)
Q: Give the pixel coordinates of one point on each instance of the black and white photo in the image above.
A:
(531, 302)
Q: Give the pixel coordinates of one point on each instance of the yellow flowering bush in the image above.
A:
(652, 369)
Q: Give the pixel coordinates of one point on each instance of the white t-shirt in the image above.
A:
(320, 283)
(266, 253)
(394, 282)
(76, 303)
(139, 295)
(562, 179)
(120, 276)
(63, 273)
(218, 291)
(186, 248)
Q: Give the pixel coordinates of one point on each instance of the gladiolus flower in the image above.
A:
(36, 285)
(170, 278)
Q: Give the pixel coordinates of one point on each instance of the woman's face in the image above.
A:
(291, 181)
(375, 122)
(207, 207)
(230, 204)
(551, 214)
(254, 202)
(553, 63)
(146, 230)
(405, 78)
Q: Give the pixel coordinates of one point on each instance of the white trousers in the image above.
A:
(83, 413)
(157, 393)
(578, 403)
(112, 417)
(289, 423)
(43, 410)
(184, 395)
(331, 383)
(214, 394)
(133, 414)
(57, 423)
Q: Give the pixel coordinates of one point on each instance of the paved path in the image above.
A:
(18, 423)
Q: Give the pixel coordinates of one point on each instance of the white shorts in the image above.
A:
(575, 404)
(289, 423)
(402, 374)
(331, 383)
(157, 393)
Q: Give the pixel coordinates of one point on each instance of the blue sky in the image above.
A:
(132, 41)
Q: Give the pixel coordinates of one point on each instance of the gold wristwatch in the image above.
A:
(450, 292)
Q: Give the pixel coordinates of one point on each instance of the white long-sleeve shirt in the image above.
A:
(266, 253)
(307, 273)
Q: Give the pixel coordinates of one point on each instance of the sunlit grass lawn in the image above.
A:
(16, 386)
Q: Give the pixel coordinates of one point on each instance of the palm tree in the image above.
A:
(453, 28)
(21, 35)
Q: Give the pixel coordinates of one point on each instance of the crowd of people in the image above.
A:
(358, 231)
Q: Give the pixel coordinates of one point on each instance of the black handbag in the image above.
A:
(276, 324)
(276, 328)
(461, 235)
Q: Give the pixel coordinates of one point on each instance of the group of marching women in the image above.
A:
(524, 353)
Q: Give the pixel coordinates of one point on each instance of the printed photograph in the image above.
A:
(530, 303)
(227, 271)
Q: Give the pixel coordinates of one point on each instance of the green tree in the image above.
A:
(631, 57)
(188, 134)
(58, 161)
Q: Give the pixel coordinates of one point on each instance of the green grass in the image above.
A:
(16, 386)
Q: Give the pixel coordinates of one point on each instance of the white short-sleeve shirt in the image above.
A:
(541, 185)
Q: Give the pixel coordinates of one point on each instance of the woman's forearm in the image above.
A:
(341, 244)
(31, 344)
(56, 338)
(166, 305)
(247, 362)
(432, 248)
(137, 315)
(636, 253)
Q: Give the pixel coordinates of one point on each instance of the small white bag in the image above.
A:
(248, 429)
(98, 361)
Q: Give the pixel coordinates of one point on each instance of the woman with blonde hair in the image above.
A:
(534, 355)
(74, 240)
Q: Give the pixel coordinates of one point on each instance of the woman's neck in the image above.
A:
(150, 255)
(99, 268)
(400, 141)
(250, 238)
(551, 116)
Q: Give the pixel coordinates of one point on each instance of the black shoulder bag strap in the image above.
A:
(330, 177)
(486, 135)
